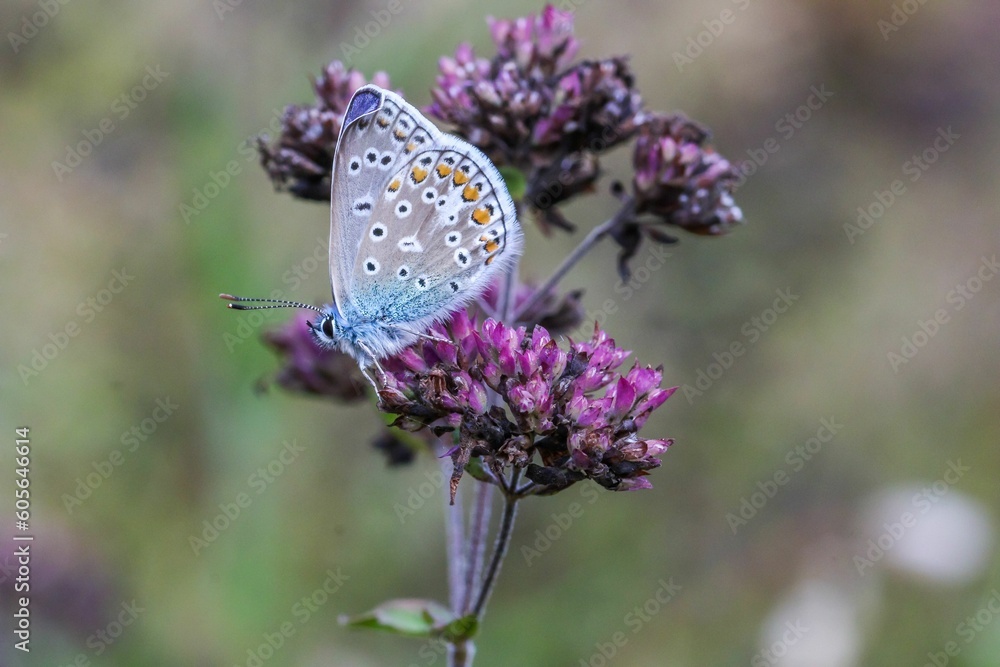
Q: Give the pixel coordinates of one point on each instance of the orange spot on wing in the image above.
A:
(443, 170)
(481, 216)
(470, 193)
(410, 146)
(400, 134)
(382, 122)
(394, 186)
(461, 178)
(491, 246)
(418, 175)
(489, 260)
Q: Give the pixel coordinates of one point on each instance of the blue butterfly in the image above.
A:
(421, 223)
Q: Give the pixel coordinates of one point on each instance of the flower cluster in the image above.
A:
(682, 181)
(679, 181)
(531, 108)
(514, 397)
(302, 159)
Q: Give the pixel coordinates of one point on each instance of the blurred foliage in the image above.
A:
(328, 509)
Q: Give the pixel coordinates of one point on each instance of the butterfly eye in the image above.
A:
(326, 326)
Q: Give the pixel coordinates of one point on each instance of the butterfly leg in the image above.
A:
(371, 381)
(378, 366)
(430, 337)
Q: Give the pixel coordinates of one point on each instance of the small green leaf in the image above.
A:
(516, 182)
(411, 441)
(461, 629)
(409, 617)
(475, 468)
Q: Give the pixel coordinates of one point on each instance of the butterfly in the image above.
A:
(421, 223)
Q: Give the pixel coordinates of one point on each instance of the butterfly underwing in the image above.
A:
(421, 223)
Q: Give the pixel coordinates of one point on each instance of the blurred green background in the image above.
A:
(875, 546)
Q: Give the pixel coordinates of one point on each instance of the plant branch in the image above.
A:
(504, 534)
(593, 238)
(476, 551)
(461, 653)
(455, 536)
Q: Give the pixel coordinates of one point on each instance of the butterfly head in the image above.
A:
(327, 328)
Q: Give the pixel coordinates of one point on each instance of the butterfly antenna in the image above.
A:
(275, 303)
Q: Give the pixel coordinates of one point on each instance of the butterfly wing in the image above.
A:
(345, 229)
(435, 219)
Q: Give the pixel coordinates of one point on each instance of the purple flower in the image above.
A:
(302, 159)
(309, 369)
(544, 44)
(681, 180)
(595, 106)
(563, 415)
(531, 108)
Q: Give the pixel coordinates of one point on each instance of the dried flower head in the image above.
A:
(302, 159)
(530, 108)
(681, 180)
(514, 397)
